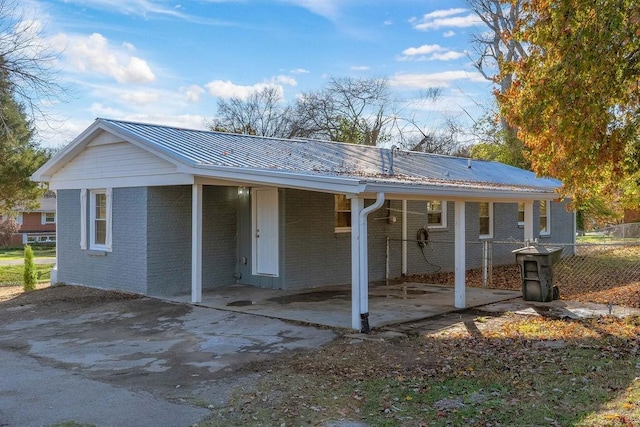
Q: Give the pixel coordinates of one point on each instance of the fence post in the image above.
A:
(386, 268)
(487, 263)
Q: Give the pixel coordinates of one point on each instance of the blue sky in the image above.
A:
(168, 62)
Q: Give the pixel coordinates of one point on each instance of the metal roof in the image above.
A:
(205, 149)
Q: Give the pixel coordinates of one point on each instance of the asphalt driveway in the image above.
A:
(81, 355)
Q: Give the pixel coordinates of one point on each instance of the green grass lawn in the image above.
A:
(11, 275)
(18, 253)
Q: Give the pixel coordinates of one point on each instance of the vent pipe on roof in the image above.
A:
(469, 163)
(394, 150)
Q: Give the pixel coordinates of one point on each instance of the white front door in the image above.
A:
(265, 231)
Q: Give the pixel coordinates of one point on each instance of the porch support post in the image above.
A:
(356, 207)
(528, 221)
(459, 254)
(404, 238)
(196, 243)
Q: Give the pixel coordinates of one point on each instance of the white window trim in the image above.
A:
(19, 218)
(548, 232)
(44, 221)
(521, 223)
(83, 218)
(107, 246)
(443, 224)
(490, 235)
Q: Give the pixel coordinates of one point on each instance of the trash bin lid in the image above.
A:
(537, 250)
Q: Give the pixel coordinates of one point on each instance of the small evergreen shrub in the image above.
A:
(30, 276)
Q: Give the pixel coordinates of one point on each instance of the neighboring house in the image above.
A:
(161, 211)
(36, 225)
(631, 215)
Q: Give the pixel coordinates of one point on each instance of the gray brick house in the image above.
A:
(161, 211)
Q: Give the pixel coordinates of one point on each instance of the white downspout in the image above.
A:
(363, 279)
(356, 207)
(404, 238)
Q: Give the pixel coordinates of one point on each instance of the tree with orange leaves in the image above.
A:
(575, 98)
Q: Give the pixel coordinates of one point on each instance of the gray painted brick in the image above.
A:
(125, 267)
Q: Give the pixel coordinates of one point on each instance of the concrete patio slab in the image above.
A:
(331, 306)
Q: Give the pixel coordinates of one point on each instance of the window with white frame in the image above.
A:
(100, 219)
(342, 213)
(436, 214)
(48, 218)
(485, 218)
(521, 213)
(545, 218)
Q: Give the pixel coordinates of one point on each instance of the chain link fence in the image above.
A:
(605, 272)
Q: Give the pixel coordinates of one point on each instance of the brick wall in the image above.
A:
(314, 253)
(168, 241)
(125, 267)
(32, 223)
(219, 240)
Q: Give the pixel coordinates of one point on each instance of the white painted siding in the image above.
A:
(115, 160)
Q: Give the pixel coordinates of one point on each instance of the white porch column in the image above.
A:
(404, 238)
(459, 254)
(528, 221)
(356, 207)
(196, 243)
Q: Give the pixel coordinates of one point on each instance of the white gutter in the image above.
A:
(363, 278)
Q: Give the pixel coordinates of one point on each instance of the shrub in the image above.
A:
(8, 227)
(30, 276)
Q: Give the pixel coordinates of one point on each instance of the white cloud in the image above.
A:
(193, 93)
(449, 33)
(425, 49)
(430, 52)
(387, 23)
(299, 71)
(431, 80)
(93, 54)
(285, 80)
(447, 56)
(228, 89)
(360, 68)
(457, 18)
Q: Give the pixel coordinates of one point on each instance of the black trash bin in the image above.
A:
(536, 272)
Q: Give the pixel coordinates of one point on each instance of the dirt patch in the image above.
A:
(48, 295)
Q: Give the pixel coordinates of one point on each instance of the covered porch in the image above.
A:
(341, 306)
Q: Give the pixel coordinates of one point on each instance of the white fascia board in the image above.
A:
(275, 178)
(421, 192)
(123, 182)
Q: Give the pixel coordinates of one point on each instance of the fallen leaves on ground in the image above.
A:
(508, 277)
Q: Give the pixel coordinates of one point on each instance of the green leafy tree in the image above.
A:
(498, 143)
(575, 99)
(20, 156)
(30, 275)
